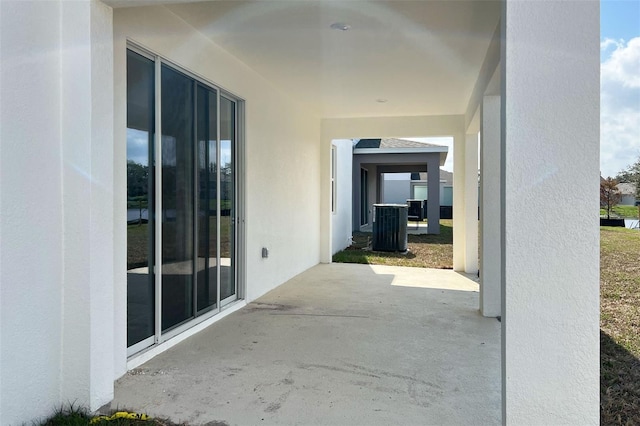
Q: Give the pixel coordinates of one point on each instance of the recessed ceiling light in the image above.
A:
(340, 26)
(381, 100)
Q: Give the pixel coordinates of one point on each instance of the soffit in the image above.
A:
(423, 57)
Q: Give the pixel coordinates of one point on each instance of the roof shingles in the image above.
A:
(391, 143)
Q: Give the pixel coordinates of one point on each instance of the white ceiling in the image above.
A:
(422, 56)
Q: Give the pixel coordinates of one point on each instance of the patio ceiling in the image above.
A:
(420, 57)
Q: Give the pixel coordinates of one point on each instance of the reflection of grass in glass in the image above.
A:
(137, 241)
(137, 245)
(224, 205)
(140, 202)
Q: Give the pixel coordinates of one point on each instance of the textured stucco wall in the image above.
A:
(341, 218)
(31, 232)
(550, 106)
(490, 210)
(56, 248)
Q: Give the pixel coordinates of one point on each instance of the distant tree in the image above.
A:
(610, 195)
(137, 179)
(137, 186)
(631, 175)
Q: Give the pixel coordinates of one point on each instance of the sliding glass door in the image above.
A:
(181, 187)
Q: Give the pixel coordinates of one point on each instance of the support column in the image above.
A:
(459, 241)
(325, 201)
(471, 204)
(550, 136)
(433, 194)
(87, 119)
(490, 214)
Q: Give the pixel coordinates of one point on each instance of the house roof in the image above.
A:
(627, 188)
(391, 143)
(393, 146)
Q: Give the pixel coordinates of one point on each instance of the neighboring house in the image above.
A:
(628, 191)
(404, 186)
(374, 158)
(234, 107)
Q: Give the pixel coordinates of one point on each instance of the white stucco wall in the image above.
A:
(56, 250)
(282, 152)
(490, 210)
(31, 232)
(341, 218)
(550, 106)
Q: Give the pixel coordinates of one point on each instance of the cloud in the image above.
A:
(619, 105)
(607, 43)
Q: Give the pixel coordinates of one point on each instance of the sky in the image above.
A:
(619, 85)
(619, 88)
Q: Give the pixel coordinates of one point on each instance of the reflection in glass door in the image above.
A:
(227, 199)
(177, 198)
(140, 201)
(207, 226)
(191, 232)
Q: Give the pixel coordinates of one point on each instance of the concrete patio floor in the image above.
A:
(339, 344)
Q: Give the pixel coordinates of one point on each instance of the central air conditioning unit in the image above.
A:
(390, 227)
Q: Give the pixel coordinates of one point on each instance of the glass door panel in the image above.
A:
(227, 199)
(207, 230)
(140, 200)
(178, 200)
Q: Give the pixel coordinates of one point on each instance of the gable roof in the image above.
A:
(391, 143)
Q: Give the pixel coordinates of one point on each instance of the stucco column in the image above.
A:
(550, 161)
(87, 118)
(325, 201)
(459, 241)
(433, 194)
(490, 213)
(471, 203)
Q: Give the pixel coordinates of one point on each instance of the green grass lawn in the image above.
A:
(629, 212)
(619, 326)
(424, 251)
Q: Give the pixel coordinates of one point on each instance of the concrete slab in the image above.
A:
(337, 345)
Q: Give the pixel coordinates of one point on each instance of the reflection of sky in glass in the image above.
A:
(137, 149)
(225, 152)
(137, 146)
